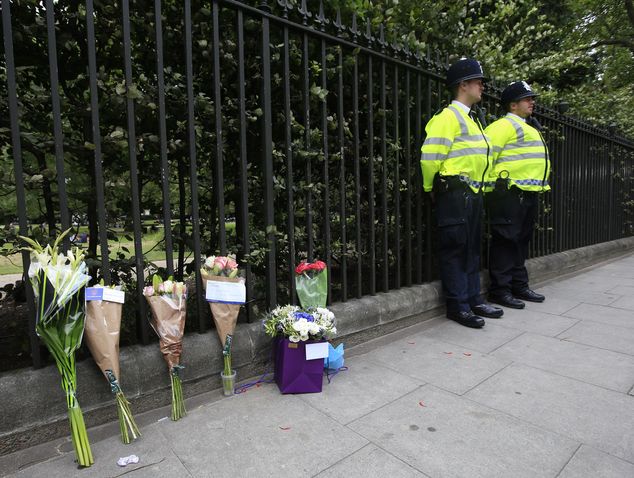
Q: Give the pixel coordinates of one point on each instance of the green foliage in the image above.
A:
(553, 44)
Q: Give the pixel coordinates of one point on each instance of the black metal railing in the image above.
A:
(271, 131)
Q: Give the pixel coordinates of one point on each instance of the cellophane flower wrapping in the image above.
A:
(58, 281)
(311, 284)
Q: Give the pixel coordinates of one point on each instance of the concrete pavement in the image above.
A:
(543, 392)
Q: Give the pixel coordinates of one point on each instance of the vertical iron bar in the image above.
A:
(165, 174)
(96, 139)
(409, 185)
(134, 174)
(357, 172)
(611, 234)
(419, 181)
(219, 176)
(384, 216)
(57, 121)
(371, 218)
(307, 156)
(342, 178)
(397, 182)
(193, 168)
(324, 133)
(428, 210)
(16, 145)
(267, 151)
(244, 171)
(289, 168)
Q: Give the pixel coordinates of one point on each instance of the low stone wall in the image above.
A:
(33, 406)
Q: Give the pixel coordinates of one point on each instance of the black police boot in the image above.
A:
(529, 295)
(507, 300)
(487, 310)
(468, 319)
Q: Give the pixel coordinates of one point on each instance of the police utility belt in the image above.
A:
(443, 184)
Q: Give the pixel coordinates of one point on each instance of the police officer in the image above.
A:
(454, 161)
(521, 166)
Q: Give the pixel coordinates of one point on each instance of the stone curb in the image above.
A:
(33, 405)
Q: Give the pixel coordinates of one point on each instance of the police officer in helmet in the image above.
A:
(521, 166)
(455, 163)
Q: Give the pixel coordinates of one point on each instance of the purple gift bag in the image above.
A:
(293, 373)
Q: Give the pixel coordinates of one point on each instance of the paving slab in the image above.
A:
(552, 305)
(586, 413)
(260, 433)
(579, 294)
(483, 340)
(454, 437)
(605, 336)
(626, 302)
(530, 320)
(600, 367)
(152, 448)
(448, 366)
(588, 283)
(621, 289)
(371, 462)
(605, 276)
(364, 387)
(603, 314)
(590, 462)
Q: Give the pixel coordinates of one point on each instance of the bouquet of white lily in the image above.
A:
(58, 281)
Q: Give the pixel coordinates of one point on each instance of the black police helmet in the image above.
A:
(463, 70)
(516, 91)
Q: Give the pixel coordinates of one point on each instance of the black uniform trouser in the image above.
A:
(459, 219)
(512, 216)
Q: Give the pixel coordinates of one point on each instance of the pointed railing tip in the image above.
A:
(338, 24)
(305, 13)
(353, 28)
(321, 19)
(368, 32)
(286, 5)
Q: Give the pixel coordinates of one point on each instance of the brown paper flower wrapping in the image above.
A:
(102, 332)
(168, 321)
(225, 315)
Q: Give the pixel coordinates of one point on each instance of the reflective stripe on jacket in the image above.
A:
(519, 153)
(454, 146)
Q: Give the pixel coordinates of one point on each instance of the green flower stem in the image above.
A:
(227, 361)
(78, 433)
(126, 420)
(79, 436)
(178, 404)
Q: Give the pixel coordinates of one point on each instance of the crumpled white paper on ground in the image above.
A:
(128, 460)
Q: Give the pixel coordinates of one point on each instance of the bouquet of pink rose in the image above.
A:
(167, 302)
(217, 273)
(311, 283)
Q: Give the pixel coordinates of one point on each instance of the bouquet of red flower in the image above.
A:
(311, 283)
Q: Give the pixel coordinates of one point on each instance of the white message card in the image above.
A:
(227, 292)
(317, 351)
(105, 293)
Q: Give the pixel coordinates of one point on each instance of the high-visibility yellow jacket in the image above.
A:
(519, 153)
(455, 146)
